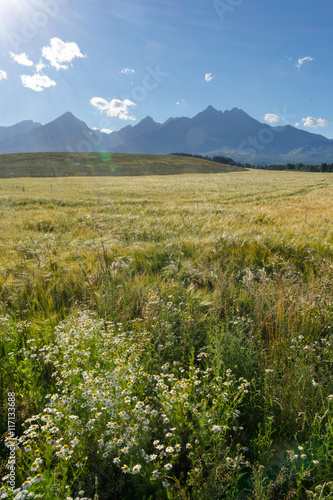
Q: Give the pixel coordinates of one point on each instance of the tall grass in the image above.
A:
(206, 299)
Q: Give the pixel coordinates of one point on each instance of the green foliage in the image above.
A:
(104, 164)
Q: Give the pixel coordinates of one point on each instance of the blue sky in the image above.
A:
(113, 62)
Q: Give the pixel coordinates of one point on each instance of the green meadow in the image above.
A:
(104, 164)
(165, 336)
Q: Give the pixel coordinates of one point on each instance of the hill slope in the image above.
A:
(104, 164)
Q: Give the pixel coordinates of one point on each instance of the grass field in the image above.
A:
(104, 164)
(167, 337)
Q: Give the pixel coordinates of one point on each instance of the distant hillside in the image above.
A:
(104, 164)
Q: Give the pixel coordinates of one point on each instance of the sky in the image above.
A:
(114, 62)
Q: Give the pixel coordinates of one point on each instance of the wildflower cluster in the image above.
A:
(319, 353)
(105, 402)
(318, 349)
(302, 461)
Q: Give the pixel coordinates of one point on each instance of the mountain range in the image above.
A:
(214, 133)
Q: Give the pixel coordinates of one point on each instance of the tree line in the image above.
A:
(323, 167)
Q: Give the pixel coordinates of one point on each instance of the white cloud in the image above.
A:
(115, 108)
(272, 118)
(104, 130)
(61, 52)
(40, 66)
(297, 124)
(3, 75)
(181, 102)
(309, 121)
(128, 71)
(21, 59)
(300, 62)
(208, 77)
(37, 82)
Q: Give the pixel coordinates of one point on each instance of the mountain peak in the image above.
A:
(210, 111)
(211, 108)
(67, 116)
(146, 125)
(67, 120)
(148, 119)
(237, 111)
(208, 114)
